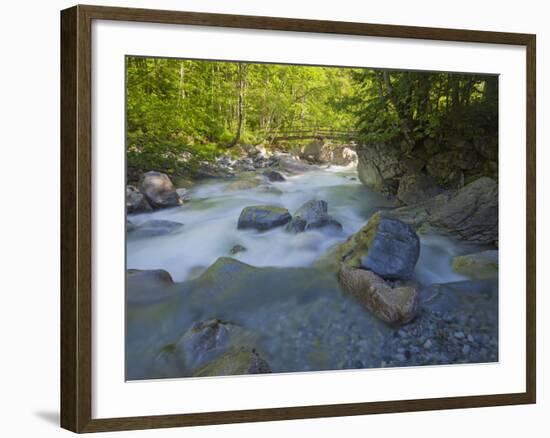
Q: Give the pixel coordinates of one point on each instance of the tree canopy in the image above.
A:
(182, 112)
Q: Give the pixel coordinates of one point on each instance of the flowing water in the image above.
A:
(304, 322)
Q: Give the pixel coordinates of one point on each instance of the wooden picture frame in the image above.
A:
(76, 217)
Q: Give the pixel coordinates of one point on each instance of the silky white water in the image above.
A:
(210, 227)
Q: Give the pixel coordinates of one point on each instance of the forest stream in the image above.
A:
(268, 284)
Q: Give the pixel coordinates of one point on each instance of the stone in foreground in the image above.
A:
(388, 247)
(392, 304)
(207, 340)
(479, 266)
(237, 362)
(312, 215)
(394, 250)
(159, 190)
(263, 217)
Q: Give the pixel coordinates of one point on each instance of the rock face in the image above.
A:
(479, 266)
(136, 202)
(155, 227)
(385, 166)
(415, 187)
(237, 362)
(159, 190)
(394, 250)
(263, 217)
(273, 176)
(448, 166)
(379, 167)
(312, 215)
(470, 213)
(207, 340)
(392, 304)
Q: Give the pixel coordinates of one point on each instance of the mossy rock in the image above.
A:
(478, 266)
(237, 362)
(351, 251)
(207, 340)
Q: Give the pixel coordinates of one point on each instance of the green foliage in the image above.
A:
(181, 107)
(413, 107)
(181, 113)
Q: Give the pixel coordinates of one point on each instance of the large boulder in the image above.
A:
(155, 227)
(136, 201)
(207, 340)
(388, 247)
(159, 190)
(479, 266)
(318, 151)
(394, 304)
(415, 187)
(145, 286)
(394, 250)
(236, 362)
(312, 215)
(469, 214)
(263, 217)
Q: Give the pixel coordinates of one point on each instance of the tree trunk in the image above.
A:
(240, 104)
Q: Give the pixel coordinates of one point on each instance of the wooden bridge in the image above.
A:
(314, 134)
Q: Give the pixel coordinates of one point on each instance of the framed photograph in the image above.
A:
(270, 218)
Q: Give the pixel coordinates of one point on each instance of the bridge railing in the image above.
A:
(314, 133)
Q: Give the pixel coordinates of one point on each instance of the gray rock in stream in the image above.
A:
(155, 227)
(312, 215)
(394, 250)
(263, 217)
(159, 190)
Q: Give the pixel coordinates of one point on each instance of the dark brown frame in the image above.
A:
(76, 218)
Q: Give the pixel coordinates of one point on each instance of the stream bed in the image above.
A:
(299, 318)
